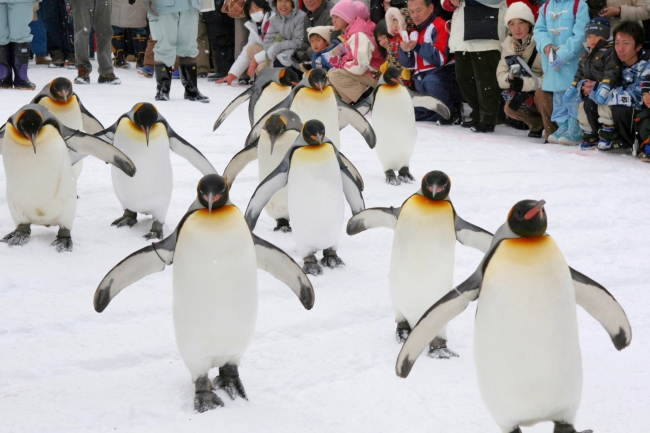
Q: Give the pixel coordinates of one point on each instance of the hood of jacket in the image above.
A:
(291, 15)
(359, 25)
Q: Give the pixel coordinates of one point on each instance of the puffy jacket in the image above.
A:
(629, 92)
(631, 10)
(360, 49)
(508, 57)
(284, 36)
(243, 62)
(457, 42)
(557, 26)
(600, 64)
(128, 16)
(432, 50)
(168, 6)
(643, 124)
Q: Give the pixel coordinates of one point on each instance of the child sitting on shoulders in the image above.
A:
(389, 35)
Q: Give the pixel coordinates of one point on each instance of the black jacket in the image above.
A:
(600, 64)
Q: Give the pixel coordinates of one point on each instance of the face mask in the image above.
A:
(257, 16)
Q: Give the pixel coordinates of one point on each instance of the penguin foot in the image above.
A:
(20, 236)
(405, 175)
(63, 241)
(283, 226)
(156, 231)
(128, 219)
(311, 266)
(330, 259)
(562, 427)
(390, 178)
(229, 381)
(402, 332)
(204, 398)
(438, 350)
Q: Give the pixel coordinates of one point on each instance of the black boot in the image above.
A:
(163, 81)
(21, 59)
(6, 74)
(140, 46)
(118, 45)
(188, 74)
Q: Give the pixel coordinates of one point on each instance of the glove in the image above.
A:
(150, 7)
(558, 62)
(602, 93)
(570, 95)
(516, 84)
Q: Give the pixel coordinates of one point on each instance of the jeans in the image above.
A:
(441, 84)
(39, 40)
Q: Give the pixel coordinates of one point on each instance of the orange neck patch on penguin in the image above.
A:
(420, 200)
(316, 94)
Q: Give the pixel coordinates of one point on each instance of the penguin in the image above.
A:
(279, 133)
(393, 119)
(146, 137)
(314, 98)
(316, 176)
(271, 87)
(422, 259)
(526, 348)
(215, 258)
(38, 153)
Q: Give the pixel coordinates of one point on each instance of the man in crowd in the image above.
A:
(318, 14)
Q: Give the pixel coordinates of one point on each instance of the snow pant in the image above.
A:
(60, 31)
(477, 81)
(175, 35)
(14, 22)
(203, 59)
(529, 115)
(39, 40)
(441, 84)
(222, 36)
(350, 86)
(621, 117)
(561, 111)
(86, 15)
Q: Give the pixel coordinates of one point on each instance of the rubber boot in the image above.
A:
(188, 74)
(140, 46)
(573, 135)
(21, 59)
(118, 46)
(6, 73)
(561, 130)
(163, 80)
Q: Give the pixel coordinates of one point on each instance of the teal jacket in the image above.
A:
(168, 6)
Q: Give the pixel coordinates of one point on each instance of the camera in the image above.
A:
(515, 71)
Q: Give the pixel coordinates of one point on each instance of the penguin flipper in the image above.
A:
(472, 236)
(181, 147)
(352, 191)
(90, 123)
(239, 162)
(273, 183)
(350, 116)
(373, 218)
(353, 170)
(108, 134)
(430, 103)
(602, 306)
(434, 319)
(81, 142)
(2, 133)
(277, 263)
(243, 97)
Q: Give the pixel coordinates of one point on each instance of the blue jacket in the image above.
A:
(558, 27)
(324, 57)
(629, 92)
(168, 6)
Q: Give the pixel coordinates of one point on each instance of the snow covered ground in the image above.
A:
(66, 368)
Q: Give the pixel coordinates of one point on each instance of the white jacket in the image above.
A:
(243, 62)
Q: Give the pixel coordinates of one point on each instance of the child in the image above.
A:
(643, 124)
(390, 36)
(319, 37)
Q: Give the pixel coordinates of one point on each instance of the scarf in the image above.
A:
(520, 46)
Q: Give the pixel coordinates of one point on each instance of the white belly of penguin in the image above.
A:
(393, 120)
(215, 289)
(526, 345)
(272, 95)
(422, 259)
(41, 188)
(312, 104)
(149, 191)
(277, 207)
(315, 198)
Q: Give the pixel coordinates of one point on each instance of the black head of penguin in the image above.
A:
(275, 126)
(212, 191)
(393, 75)
(318, 79)
(145, 117)
(61, 89)
(29, 124)
(313, 132)
(528, 218)
(436, 185)
(288, 77)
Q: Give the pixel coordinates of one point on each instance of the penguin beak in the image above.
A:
(32, 138)
(210, 198)
(295, 83)
(320, 138)
(272, 138)
(146, 130)
(320, 86)
(535, 210)
(396, 80)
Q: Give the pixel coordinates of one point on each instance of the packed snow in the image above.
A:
(66, 368)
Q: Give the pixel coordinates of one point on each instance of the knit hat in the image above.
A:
(346, 10)
(521, 11)
(645, 86)
(362, 10)
(598, 26)
(322, 31)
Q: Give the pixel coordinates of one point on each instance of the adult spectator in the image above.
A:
(15, 38)
(427, 55)
(129, 14)
(477, 30)
(221, 33)
(318, 14)
(60, 32)
(625, 10)
(525, 99)
(39, 40)
(87, 14)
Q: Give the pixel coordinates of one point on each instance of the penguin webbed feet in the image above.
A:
(63, 241)
(128, 219)
(20, 236)
(156, 231)
(311, 266)
(438, 350)
(229, 381)
(204, 398)
(405, 175)
(282, 225)
(330, 259)
(403, 331)
(562, 427)
(391, 179)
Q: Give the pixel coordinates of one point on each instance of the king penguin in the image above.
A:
(215, 259)
(526, 348)
(422, 260)
(271, 86)
(317, 179)
(38, 153)
(145, 136)
(393, 119)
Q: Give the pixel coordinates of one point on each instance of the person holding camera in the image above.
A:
(520, 73)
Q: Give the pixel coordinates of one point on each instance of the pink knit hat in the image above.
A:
(362, 10)
(346, 10)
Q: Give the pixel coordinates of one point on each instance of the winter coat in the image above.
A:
(128, 16)
(321, 59)
(169, 6)
(321, 17)
(631, 10)
(508, 57)
(565, 32)
(19, 1)
(432, 50)
(457, 42)
(360, 49)
(254, 38)
(629, 92)
(643, 125)
(600, 64)
(284, 36)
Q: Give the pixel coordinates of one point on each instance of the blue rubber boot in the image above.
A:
(573, 135)
(554, 137)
